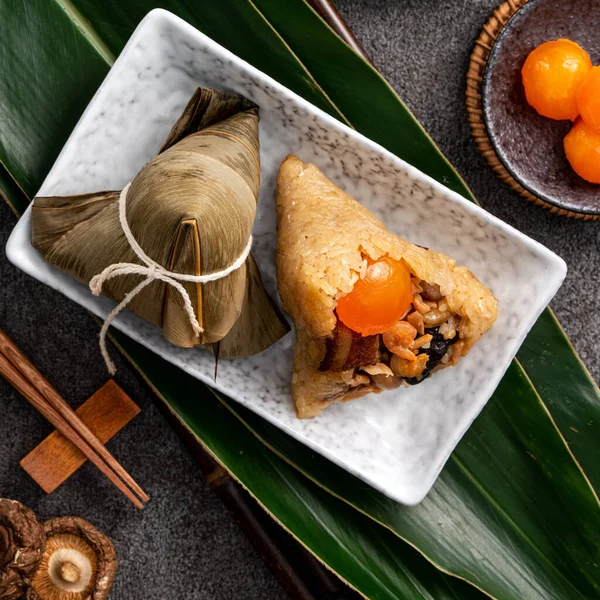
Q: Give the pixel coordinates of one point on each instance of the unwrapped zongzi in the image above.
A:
(372, 311)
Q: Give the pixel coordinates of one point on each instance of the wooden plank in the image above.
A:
(55, 459)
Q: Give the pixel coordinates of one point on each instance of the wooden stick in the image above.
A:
(329, 13)
(15, 377)
(9, 349)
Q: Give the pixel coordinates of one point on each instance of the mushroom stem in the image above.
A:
(69, 572)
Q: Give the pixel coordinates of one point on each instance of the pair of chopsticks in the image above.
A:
(24, 377)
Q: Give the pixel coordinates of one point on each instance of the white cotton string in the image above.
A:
(153, 272)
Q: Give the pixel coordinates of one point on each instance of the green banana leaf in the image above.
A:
(568, 390)
(564, 580)
(39, 104)
(575, 406)
(367, 556)
(491, 497)
(11, 192)
(352, 87)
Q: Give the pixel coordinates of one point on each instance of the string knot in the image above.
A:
(151, 271)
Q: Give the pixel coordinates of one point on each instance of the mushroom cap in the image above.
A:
(79, 563)
(22, 543)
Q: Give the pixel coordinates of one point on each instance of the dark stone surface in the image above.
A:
(185, 544)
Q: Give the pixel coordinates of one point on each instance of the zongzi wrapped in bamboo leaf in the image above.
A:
(371, 310)
(174, 245)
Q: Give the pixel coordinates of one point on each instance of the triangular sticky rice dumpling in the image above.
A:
(372, 311)
(191, 210)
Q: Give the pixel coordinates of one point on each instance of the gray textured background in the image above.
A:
(185, 544)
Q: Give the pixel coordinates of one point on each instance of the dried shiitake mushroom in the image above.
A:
(22, 543)
(79, 563)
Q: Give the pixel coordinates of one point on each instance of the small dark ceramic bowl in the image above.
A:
(531, 146)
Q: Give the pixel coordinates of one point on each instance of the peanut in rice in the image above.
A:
(431, 291)
(399, 338)
(416, 286)
(435, 317)
(416, 320)
(421, 341)
(409, 369)
(447, 330)
(420, 305)
(457, 350)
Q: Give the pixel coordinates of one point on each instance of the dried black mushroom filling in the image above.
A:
(438, 348)
(425, 338)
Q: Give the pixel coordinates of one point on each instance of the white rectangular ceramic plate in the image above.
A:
(397, 441)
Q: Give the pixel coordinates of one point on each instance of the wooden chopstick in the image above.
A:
(31, 373)
(27, 388)
(14, 376)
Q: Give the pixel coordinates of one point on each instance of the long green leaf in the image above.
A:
(41, 96)
(567, 389)
(260, 47)
(499, 504)
(228, 25)
(11, 192)
(354, 86)
(368, 557)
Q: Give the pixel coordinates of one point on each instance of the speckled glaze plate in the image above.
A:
(397, 441)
